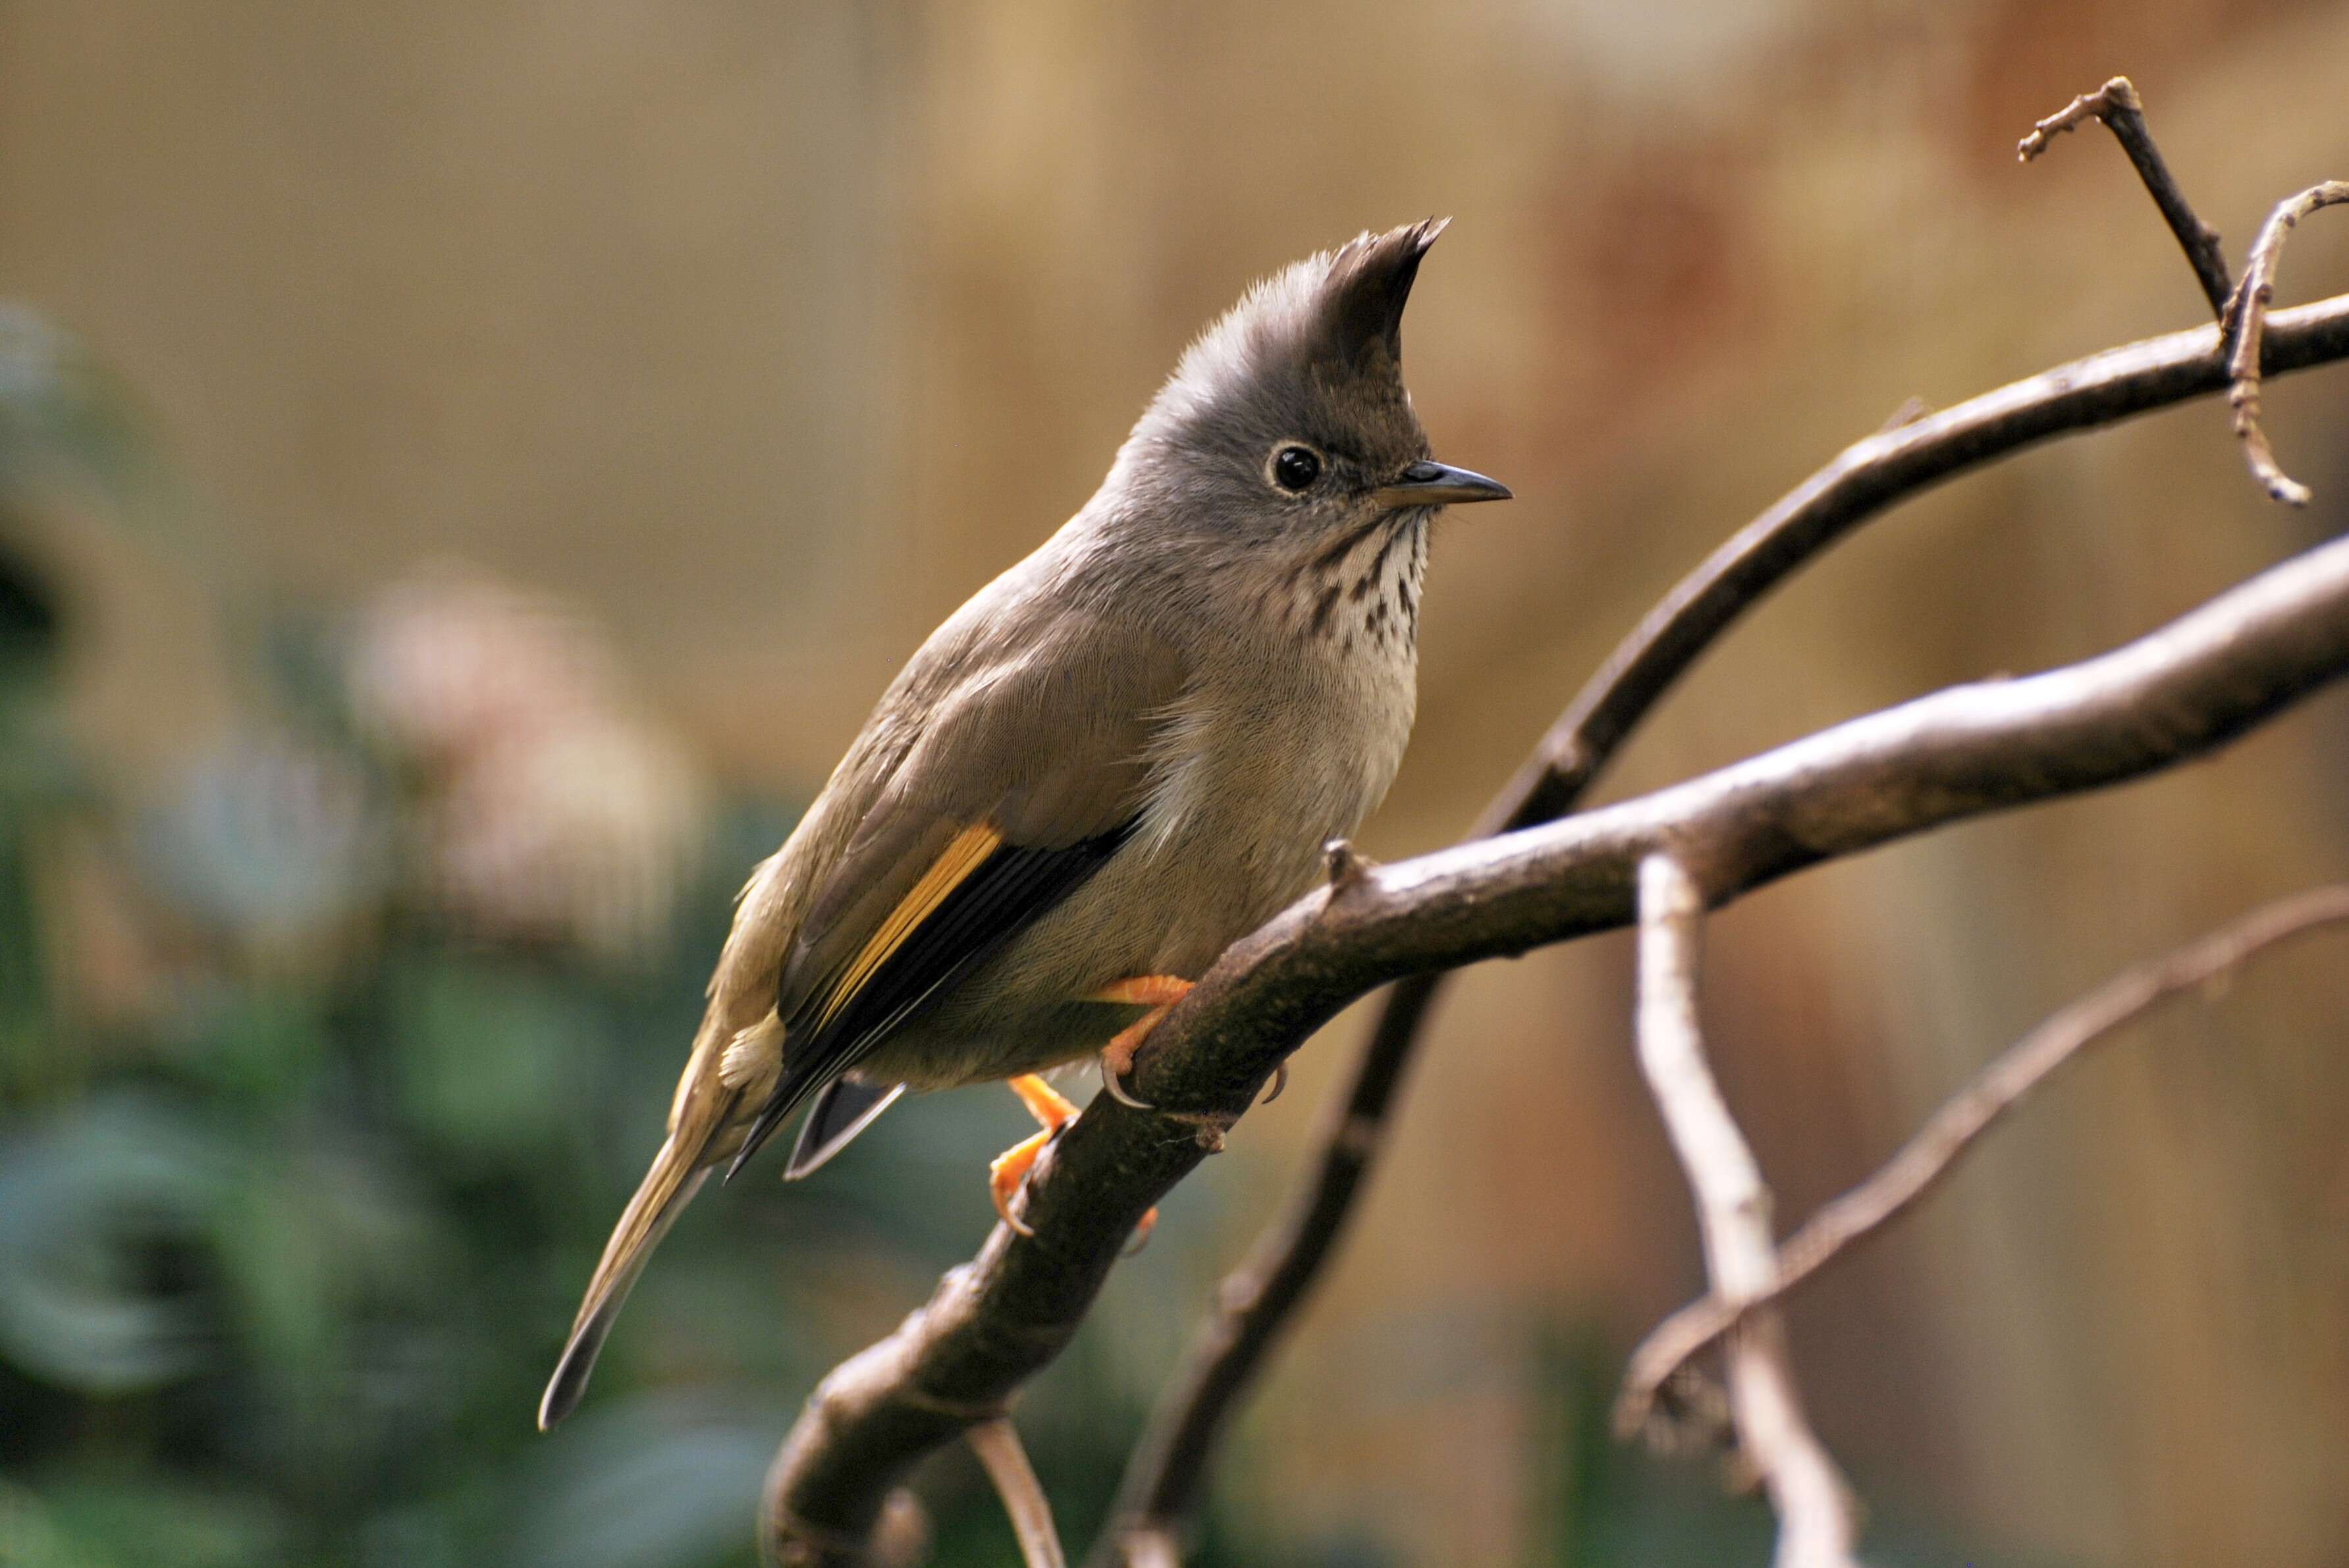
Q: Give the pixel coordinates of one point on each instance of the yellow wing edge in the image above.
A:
(963, 855)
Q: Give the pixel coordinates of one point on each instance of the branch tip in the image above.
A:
(1911, 411)
(2244, 324)
(2117, 96)
(2117, 106)
(1349, 869)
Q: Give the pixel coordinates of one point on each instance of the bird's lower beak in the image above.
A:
(1441, 484)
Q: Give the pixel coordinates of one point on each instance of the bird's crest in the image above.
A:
(1357, 309)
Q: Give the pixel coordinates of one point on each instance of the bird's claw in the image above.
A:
(1158, 993)
(1113, 1082)
(1006, 1177)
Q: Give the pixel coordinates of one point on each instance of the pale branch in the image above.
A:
(2118, 105)
(996, 1443)
(1817, 1520)
(1952, 1130)
(2179, 693)
(1910, 454)
(2249, 319)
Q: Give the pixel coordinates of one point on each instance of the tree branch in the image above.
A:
(1952, 1130)
(993, 1322)
(1163, 1482)
(2250, 315)
(2122, 112)
(996, 1443)
(1816, 1524)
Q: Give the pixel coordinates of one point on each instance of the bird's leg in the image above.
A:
(1159, 993)
(1052, 1109)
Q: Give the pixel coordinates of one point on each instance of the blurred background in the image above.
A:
(467, 468)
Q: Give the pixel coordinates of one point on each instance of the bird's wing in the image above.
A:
(1027, 776)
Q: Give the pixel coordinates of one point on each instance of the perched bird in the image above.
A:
(1121, 755)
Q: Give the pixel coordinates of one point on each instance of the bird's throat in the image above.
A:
(1361, 597)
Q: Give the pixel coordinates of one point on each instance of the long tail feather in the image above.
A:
(675, 1174)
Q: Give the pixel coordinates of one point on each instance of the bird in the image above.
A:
(1121, 755)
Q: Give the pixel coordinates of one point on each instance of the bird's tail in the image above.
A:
(676, 1172)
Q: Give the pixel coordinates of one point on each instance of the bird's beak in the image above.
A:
(1440, 484)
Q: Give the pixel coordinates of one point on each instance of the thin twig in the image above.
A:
(996, 1443)
(1911, 411)
(2181, 692)
(1817, 1520)
(2250, 318)
(1952, 1130)
(2123, 113)
(1165, 1479)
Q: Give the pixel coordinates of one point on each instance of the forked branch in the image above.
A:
(2118, 105)
(1817, 1523)
(1952, 1130)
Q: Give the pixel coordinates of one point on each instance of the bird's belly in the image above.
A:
(1245, 839)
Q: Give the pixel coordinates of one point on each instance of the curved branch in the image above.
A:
(2249, 314)
(1952, 1130)
(2179, 692)
(1816, 1520)
(1162, 1483)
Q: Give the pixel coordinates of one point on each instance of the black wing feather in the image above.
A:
(1008, 891)
(842, 1108)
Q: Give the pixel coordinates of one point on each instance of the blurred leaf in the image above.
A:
(308, 1237)
(86, 1199)
(304, 656)
(63, 415)
(259, 1044)
(30, 1538)
(26, 1054)
(650, 1481)
(41, 779)
(142, 1525)
(271, 842)
(490, 1056)
(28, 616)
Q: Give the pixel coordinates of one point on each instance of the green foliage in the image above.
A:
(65, 420)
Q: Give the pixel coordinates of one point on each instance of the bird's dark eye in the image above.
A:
(1296, 467)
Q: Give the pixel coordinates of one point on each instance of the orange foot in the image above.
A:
(1010, 1171)
(1159, 991)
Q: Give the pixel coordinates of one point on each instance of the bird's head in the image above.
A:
(1287, 423)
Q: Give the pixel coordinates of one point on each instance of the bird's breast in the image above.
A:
(1255, 775)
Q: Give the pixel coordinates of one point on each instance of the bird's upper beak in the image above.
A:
(1427, 483)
